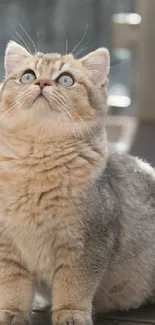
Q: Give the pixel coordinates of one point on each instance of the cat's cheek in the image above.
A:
(8, 101)
(30, 95)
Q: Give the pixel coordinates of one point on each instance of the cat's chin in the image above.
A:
(41, 100)
(42, 105)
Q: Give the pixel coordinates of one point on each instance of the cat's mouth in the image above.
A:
(41, 97)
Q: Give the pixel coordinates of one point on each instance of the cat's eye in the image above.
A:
(28, 77)
(65, 80)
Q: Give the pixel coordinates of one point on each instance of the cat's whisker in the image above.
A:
(22, 96)
(61, 100)
(18, 99)
(80, 118)
(77, 128)
(62, 108)
(82, 39)
(68, 113)
(58, 100)
(8, 112)
(22, 39)
(31, 40)
(60, 96)
(83, 48)
(91, 133)
(66, 119)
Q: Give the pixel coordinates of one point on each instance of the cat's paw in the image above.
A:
(10, 319)
(71, 317)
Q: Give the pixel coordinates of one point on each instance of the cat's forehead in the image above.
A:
(53, 62)
(45, 61)
(48, 56)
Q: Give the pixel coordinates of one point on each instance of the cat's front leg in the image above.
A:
(71, 317)
(16, 293)
(72, 295)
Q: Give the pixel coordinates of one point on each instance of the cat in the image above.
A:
(72, 214)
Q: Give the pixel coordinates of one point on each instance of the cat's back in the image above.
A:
(121, 204)
(132, 180)
(127, 188)
(127, 182)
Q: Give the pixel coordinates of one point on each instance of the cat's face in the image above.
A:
(49, 88)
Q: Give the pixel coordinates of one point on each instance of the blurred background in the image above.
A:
(126, 27)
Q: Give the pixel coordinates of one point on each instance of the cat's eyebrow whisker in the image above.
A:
(16, 39)
(80, 52)
(83, 48)
(83, 37)
(38, 49)
(21, 39)
(31, 40)
(66, 42)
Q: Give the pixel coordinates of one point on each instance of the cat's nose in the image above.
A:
(43, 83)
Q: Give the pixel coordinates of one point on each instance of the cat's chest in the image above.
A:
(39, 204)
(42, 190)
(40, 242)
(40, 215)
(37, 198)
(37, 250)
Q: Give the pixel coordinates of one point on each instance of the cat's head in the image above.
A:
(53, 89)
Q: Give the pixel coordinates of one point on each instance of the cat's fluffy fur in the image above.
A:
(71, 215)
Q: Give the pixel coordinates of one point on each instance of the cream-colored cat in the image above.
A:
(72, 216)
(51, 150)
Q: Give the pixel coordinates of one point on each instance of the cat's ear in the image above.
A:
(98, 65)
(14, 53)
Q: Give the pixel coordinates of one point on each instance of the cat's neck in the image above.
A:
(87, 153)
(20, 145)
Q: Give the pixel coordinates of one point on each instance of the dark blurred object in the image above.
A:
(144, 315)
(143, 144)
